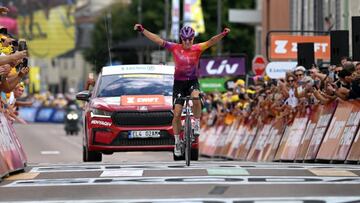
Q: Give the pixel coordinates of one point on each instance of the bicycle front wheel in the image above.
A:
(188, 140)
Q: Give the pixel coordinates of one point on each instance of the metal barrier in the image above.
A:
(42, 114)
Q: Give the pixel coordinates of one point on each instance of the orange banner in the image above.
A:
(305, 142)
(230, 138)
(335, 131)
(285, 46)
(10, 149)
(354, 153)
(259, 143)
(349, 133)
(4, 170)
(273, 141)
(142, 100)
(235, 143)
(246, 141)
(320, 130)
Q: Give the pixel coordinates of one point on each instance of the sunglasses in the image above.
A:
(298, 75)
(290, 80)
(186, 39)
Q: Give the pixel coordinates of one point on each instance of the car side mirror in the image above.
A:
(83, 96)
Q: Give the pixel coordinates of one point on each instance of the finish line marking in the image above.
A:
(227, 172)
(186, 180)
(118, 173)
(104, 167)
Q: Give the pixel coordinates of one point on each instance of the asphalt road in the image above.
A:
(56, 174)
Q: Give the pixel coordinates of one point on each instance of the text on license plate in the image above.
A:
(144, 134)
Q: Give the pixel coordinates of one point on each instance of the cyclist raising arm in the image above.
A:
(186, 57)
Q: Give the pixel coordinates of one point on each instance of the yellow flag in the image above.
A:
(193, 15)
(34, 76)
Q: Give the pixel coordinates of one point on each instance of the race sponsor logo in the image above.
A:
(285, 46)
(103, 123)
(222, 66)
(142, 100)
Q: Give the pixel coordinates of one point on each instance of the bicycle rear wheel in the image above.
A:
(188, 140)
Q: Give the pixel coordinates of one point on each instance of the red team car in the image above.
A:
(129, 109)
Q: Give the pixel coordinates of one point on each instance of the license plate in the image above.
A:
(144, 134)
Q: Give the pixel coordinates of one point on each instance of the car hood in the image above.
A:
(133, 103)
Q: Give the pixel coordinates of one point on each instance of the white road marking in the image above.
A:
(179, 165)
(326, 199)
(194, 180)
(49, 152)
(126, 173)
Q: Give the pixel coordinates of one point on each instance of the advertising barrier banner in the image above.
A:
(42, 114)
(294, 137)
(354, 152)
(320, 130)
(335, 130)
(349, 133)
(4, 170)
(9, 147)
(310, 128)
(273, 141)
(244, 148)
(235, 143)
(230, 138)
(259, 143)
(326, 132)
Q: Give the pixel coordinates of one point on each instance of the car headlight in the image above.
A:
(98, 112)
(72, 116)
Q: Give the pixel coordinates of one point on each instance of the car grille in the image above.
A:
(123, 140)
(156, 118)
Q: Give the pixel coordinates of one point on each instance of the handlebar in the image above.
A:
(189, 98)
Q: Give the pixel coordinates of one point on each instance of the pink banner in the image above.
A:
(10, 148)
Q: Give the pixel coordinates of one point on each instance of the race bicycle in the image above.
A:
(188, 137)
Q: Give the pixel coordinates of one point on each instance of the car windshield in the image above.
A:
(135, 84)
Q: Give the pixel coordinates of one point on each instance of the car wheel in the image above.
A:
(89, 156)
(194, 154)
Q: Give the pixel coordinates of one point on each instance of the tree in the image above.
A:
(241, 39)
(123, 18)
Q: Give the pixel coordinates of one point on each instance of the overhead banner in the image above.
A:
(222, 66)
(193, 15)
(47, 26)
(175, 19)
(284, 47)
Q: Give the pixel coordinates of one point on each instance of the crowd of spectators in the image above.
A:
(13, 70)
(298, 92)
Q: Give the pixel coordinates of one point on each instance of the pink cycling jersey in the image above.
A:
(186, 60)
